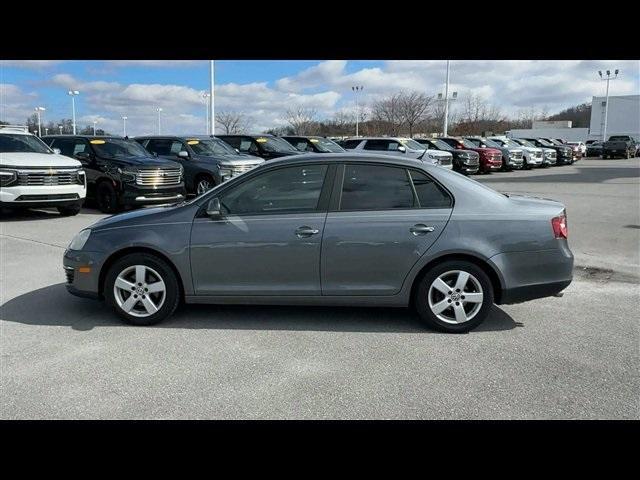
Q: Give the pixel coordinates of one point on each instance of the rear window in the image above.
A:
(349, 144)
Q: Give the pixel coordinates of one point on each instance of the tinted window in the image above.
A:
(160, 146)
(430, 194)
(349, 144)
(233, 141)
(373, 187)
(300, 144)
(381, 145)
(450, 141)
(65, 145)
(22, 143)
(292, 189)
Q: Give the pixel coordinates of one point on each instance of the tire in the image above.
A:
(428, 296)
(106, 198)
(203, 183)
(141, 312)
(70, 210)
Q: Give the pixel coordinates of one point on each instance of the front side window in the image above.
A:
(10, 143)
(374, 187)
(285, 190)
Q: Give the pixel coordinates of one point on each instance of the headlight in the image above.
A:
(127, 175)
(7, 177)
(82, 177)
(79, 240)
(226, 173)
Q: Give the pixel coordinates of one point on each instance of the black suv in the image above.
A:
(207, 161)
(309, 143)
(464, 161)
(564, 154)
(120, 172)
(264, 146)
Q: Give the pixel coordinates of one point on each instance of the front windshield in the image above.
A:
(412, 144)
(469, 144)
(10, 143)
(524, 143)
(440, 145)
(327, 146)
(210, 146)
(556, 142)
(492, 143)
(275, 144)
(117, 148)
(545, 142)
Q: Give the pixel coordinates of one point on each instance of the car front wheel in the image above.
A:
(454, 297)
(142, 289)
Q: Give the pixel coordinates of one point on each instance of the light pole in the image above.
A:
(73, 94)
(357, 89)
(38, 110)
(124, 126)
(213, 98)
(60, 127)
(95, 122)
(46, 131)
(454, 96)
(608, 78)
(159, 110)
(206, 97)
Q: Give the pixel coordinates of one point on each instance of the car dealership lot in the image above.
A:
(570, 357)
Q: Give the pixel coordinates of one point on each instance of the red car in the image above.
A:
(490, 158)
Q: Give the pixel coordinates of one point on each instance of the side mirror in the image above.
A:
(402, 148)
(84, 157)
(57, 151)
(237, 151)
(213, 208)
(183, 154)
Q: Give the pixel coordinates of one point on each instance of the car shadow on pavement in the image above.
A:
(11, 215)
(54, 306)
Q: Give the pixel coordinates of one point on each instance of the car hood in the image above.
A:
(531, 149)
(146, 162)
(138, 217)
(439, 153)
(457, 151)
(29, 159)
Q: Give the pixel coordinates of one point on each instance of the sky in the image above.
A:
(265, 89)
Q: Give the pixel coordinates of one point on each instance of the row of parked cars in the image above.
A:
(116, 173)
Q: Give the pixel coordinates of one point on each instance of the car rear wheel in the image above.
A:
(142, 289)
(454, 297)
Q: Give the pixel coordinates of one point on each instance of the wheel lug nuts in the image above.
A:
(133, 288)
(457, 303)
(450, 292)
(139, 284)
(463, 297)
(146, 290)
(449, 300)
(135, 296)
(143, 296)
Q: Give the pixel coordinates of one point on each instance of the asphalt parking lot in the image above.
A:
(575, 357)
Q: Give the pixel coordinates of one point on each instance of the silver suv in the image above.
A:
(399, 146)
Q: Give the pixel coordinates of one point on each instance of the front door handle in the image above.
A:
(421, 229)
(305, 231)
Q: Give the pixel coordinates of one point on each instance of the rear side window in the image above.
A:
(350, 144)
(430, 194)
(374, 187)
(233, 141)
(159, 146)
(381, 145)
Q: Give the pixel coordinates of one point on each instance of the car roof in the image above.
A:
(110, 137)
(347, 157)
(247, 135)
(186, 137)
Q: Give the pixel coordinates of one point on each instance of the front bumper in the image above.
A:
(515, 163)
(42, 196)
(82, 283)
(134, 195)
(550, 161)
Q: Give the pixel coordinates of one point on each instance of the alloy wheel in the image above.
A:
(203, 186)
(455, 297)
(139, 291)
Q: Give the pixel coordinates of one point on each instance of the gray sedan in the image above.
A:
(335, 229)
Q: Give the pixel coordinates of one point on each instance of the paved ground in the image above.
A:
(571, 357)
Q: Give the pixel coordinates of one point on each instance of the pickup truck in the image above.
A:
(619, 145)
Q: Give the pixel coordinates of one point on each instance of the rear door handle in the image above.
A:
(305, 231)
(421, 229)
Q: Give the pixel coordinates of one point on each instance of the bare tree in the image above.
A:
(388, 112)
(302, 120)
(414, 107)
(233, 122)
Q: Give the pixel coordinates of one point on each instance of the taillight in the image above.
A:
(559, 225)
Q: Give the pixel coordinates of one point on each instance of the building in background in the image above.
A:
(623, 119)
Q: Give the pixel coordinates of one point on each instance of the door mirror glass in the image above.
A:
(57, 151)
(183, 154)
(214, 209)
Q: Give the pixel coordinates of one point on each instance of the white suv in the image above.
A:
(33, 175)
(399, 146)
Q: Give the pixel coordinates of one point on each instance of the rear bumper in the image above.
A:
(536, 274)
